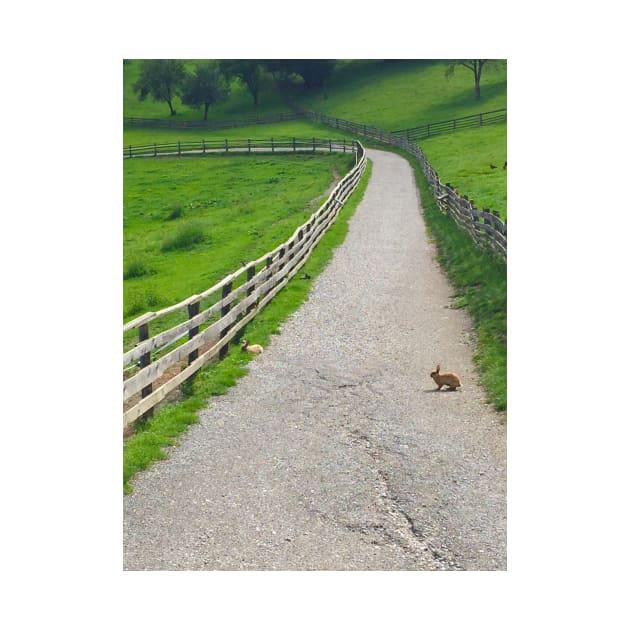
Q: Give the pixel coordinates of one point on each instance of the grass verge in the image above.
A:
(480, 283)
(151, 440)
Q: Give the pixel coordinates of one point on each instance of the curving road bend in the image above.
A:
(335, 452)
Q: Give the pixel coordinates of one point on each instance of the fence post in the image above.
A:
(154, 149)
(179, 147)
(290, 252)
(193, 309)
(226, 145)
(249, 145)
(129, 150)
(227, 289)
(313, 145)
(280, 256)
(293, 145)
(251, 272)
(145, 359)
(203, 144)
(272, 145)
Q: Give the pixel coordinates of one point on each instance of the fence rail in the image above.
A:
(158, 364)
(456, 124)
(293, 145)
(210, 124)
(485, 227)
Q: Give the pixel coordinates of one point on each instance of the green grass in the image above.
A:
(301, 129)
(152, 438)
(389, 95)
(480, 281)
(463, 159)
(189, 221)
(404, 94)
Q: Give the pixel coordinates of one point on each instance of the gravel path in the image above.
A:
(335, 452)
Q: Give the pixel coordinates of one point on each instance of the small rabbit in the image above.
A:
(256, 348)
(450, 379)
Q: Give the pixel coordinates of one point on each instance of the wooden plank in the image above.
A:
(172, 334)
(156, 369)
(160, 393)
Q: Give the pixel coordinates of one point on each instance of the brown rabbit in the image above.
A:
(256, 349)
(449, 379)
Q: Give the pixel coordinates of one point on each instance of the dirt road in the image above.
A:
(335, 452)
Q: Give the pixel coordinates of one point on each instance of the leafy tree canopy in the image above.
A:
(249, 71)
(206, 86)
(161, 79)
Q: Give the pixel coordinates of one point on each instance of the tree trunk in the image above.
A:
(478, 66)
(205, 113)
(170, 106)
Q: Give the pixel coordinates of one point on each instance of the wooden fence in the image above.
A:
(206, 323)
(172, 123)
(485, 226)
(456, 124)
(225, 146)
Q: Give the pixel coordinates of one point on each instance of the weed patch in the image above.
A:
(187, 237)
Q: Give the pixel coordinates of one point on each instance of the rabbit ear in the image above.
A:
(437, 369)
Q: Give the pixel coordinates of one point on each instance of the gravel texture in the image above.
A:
(335, 452)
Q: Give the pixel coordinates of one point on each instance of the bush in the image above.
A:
(186, 238)
(136, 269)
(175, 213)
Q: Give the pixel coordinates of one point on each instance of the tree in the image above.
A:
(249, 71)
(161, 79)
(206, 87)
(475, 66)
(313, 71)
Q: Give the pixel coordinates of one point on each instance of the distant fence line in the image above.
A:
(413, 133)
(485, 227)
(211, 124)
(293, 145)
(456, 124)
(157, 364)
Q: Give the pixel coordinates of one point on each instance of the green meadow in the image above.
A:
(189, 221)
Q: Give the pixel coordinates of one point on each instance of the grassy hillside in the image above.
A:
(240, 103)
(464, 158)
(394, 96)
(189, 221)
(410, 93)
(404, 94)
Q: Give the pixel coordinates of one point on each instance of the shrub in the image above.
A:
(187, 237)
(136, 269)
(175, 213)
